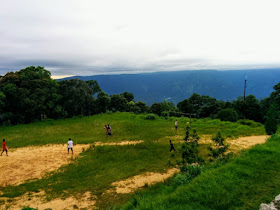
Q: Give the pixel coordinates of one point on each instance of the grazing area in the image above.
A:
(103, 170)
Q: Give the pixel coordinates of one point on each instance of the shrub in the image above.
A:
(150, 117)
(228, 114)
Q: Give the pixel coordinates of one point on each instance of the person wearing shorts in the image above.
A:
(70, 145)
(4, 147)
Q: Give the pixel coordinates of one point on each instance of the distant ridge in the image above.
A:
(178, 85)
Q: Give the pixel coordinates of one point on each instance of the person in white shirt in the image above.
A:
(70, 145)
(176, 124)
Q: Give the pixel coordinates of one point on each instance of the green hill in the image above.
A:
(98, 167)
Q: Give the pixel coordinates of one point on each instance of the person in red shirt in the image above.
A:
(4, 147)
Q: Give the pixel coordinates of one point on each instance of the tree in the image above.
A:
(228, 114)
(118, 103)
(94, 86)
(129, 96)
(156, 108)
(142, 106)
(77, 97)
(30, 94)
(272, 121)
(202, 106)
(102, 102)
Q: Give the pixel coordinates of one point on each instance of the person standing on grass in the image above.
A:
(70, 145)
(176, 124)
(171, 146)
(4, 147)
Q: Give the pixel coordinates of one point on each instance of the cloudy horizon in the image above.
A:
(86, 37)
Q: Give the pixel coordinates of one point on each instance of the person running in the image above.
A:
(4, 147)
(70, 145)
(109, 131)
(172, 146)
(176, 124)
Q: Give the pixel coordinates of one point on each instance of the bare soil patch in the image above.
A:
(33, 162)
(99, 143)
(37, 200)
(133, 183)
(246, 142)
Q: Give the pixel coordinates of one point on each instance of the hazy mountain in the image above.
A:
(179, 85)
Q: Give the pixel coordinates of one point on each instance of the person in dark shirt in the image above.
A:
(171, 146)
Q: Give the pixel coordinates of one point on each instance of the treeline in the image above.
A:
(30, 95)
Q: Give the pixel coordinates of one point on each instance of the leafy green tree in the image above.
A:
(272, 120)
(156, 108)
(118, 103)
(77, 97)
(102, 102)
(30, 95)
(202, 106)
(129, 96)
(228, 114)
(142, 106)
(94, 86)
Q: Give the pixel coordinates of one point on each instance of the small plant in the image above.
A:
(189, 150)
(220, 148)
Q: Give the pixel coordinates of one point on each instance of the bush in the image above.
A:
(150, 117)
(228, 114)
(250, 123)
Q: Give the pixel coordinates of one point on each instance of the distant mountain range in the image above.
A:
(176, 86)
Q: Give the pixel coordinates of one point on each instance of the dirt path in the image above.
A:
(246, 142)
(33, 162)
(36, 200)
(133, 183)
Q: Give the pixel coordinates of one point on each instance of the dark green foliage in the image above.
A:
(94, 86)
(227, 114)
(156, 108)
(150, 117)
(77, 97)
(272, 120)
(128, 96)
(202, 106)
(249, 109)
(28, 95)
(102, 102)
(118, 103)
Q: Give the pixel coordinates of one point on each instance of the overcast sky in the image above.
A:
(88, 37)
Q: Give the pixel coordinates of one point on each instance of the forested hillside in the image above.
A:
(222, 85)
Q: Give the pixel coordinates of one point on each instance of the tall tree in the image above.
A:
(77, 97)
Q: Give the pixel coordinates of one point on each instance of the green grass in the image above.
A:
(125, 126)
(96, 169)
(243, 183)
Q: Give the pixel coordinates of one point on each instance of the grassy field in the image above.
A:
(125, 126)
(97, 168)
(243, 183)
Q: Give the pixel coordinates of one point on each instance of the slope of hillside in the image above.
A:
(179, 85)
